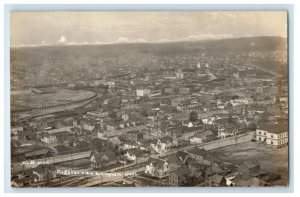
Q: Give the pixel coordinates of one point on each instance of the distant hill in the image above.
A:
(66, 53)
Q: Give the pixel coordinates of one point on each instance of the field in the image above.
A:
(27, 99)
(78, 163)
(271, 159)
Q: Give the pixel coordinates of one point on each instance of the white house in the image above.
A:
(142, 92)
(130, 156)
(48, 138)
(199, 138)
(16, 130)
(162, 145)
(157, 167)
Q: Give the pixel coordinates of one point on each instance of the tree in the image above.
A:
(230, 118)
(214, 129)
(252, 126)
(229, 106)
(193, 116)
(144, 112)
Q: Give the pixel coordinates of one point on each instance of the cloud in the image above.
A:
(62, 39)
(140, 40)
(206, 37)
(126, 40)
(164, 40)
(122, 40)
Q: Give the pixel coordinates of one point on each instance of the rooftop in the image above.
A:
(271, 127)
(198, 151)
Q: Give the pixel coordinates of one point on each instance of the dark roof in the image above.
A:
(44, 167)
(114, 140)
(182, 171)
(109, 154)
(181, 156)
(211, 158)
(216, 178)
(135, 151)
(190, 129)
(156, 162)
(129, 142)
(198, 151)
(134, 132)
(37, 152)
(250, 163)
(274, 128)
(98, 140)
(166, 139)
(203, 134)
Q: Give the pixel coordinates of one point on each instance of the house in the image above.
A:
(114, 141)
(217, 181)
(168, 90)
(227, 130)
(44, 172)
(134, 121)
(133, 154)
(88, 125)
(241, 181)
(162, 145)
(178, 168)
(128, 144)
(183, 90)
(198, 154)
(15, 143)
(26, 180)
(156, 132)
(62, 136)
(134, 135)
(15, 130)
(41, 172)
(77, 131)
(252, 182)
(157, 167)
(48, 138)
(103, 159)
(69, 122)
(201, 137)
(101, 135)
(175, 102)
(125, 117)
(273, 134)
(208, 120)
(142, 92)
(111, 126)
(99, 144)
(98, 114)
(178, 176)
(181, 157)
(249, 168)
(187, 123)
(144, 144)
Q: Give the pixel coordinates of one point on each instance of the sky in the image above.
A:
(63, 28)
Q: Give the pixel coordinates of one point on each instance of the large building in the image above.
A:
(273, 134)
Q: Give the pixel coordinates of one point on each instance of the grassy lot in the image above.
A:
(79, 163)
(271, 159)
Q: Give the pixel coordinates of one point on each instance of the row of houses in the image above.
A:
(199, 167)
